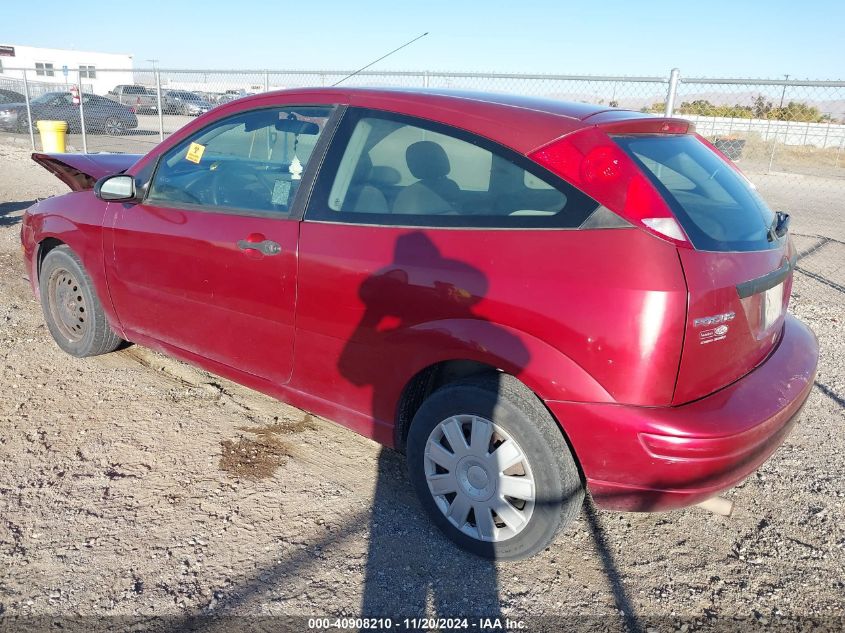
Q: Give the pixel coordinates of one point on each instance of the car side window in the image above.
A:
(398, 170)
(251, 161)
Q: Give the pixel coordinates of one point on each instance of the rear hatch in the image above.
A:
(739, 269)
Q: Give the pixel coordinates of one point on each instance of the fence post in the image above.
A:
(425, 79)
(774, 145)
(672, 92)
(30, 122)
(266, 81)
(159, 107)
(82, 114)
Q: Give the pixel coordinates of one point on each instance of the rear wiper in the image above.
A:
(780, 225)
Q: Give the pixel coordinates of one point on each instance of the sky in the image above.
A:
(757, 39)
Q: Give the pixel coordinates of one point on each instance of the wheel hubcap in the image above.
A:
(479, 477)
(67, 305)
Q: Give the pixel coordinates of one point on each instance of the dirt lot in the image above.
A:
(133, 486)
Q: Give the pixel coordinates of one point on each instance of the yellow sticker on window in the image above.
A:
(195, 151)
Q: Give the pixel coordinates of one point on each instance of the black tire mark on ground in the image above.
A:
(821, 279)
(830, 393)
(823, 241)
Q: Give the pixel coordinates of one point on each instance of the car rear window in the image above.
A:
(719, 209)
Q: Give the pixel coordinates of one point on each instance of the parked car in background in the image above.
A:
(139, 98)
(10, 96)
(185, 102)
(530, 298)
(101, 114)
(230, 95)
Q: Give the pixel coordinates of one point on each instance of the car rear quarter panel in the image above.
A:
(591, 316)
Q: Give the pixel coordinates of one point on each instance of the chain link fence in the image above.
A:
(776, 125)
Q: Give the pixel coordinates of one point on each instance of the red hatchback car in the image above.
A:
(530, 298)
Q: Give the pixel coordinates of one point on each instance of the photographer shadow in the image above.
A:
(411, 570)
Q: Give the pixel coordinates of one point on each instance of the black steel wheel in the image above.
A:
(72, 311)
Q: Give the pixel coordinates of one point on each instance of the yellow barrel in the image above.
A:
(52, 136)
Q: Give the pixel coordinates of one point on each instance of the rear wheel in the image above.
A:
(492, 469)
(72, 311)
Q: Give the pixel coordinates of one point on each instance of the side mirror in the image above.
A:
(115, 188)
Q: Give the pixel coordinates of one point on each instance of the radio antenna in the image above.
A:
(418, 37)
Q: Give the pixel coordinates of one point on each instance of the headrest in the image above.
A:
(384, 175)
(427, 160)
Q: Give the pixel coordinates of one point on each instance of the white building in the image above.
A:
(47, 66)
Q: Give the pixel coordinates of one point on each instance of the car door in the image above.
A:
(207, 262)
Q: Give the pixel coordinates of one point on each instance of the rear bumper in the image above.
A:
(660, 458)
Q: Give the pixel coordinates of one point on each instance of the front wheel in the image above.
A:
(72, 311)
(492, 469)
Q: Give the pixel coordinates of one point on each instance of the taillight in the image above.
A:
(590, 160)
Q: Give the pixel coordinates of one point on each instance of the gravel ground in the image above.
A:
(134, 486)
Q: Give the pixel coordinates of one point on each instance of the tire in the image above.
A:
(72, 311)
(515, 415)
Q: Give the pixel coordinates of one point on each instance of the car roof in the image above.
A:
(521, 122)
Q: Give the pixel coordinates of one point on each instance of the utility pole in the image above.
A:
(783, 93)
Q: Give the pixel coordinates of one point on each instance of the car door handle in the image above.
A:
(266, 247)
